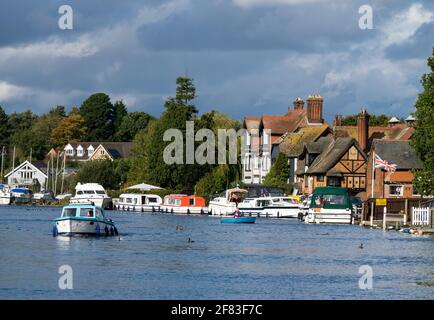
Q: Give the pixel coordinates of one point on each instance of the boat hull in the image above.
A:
(238, 220)
(329, 216)
(271, 212)
(137, 208)
(183, 210)
(101, 202)
(74, 226)
(5, 200)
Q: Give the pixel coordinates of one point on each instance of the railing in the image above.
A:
(421, 216)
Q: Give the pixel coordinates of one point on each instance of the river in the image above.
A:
(153, 259)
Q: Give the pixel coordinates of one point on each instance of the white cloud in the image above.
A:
(253, 3)
(10, 91)
(405, 24)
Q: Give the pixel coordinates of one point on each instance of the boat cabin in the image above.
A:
(83, 211)
(331, 198)
(139, 199)
(182, 200)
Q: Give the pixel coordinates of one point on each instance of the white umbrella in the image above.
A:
(144, 187)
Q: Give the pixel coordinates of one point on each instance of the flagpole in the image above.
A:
(373, 174)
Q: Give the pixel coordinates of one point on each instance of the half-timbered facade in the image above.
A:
(337, 162)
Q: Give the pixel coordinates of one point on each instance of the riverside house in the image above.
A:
(30, 175)
(264, 135)
(85, 151)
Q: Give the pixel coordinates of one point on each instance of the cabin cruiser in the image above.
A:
(138, 202)
(184, 204)
(92, 192)
(83, 219)
(227, 202)
(270, 207)
(330, 205)
(5, 194)
(21, 195)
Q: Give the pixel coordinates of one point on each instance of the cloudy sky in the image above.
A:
(247, 57)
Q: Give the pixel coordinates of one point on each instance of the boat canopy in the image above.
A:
(330, 198)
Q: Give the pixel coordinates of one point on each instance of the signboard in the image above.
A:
(381, 202)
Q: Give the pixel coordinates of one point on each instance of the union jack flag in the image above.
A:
(383, 164)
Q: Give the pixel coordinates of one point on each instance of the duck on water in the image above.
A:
(83, 219)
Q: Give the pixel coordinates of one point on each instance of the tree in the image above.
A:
(423, 137)
(4, 130)
(70, 128)
(131, 125)
(98, 114)
(99, 171)
(119, 113)
(279, 173)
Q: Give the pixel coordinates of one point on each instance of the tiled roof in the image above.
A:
(399, 153)
(331, 155)
(292, 144)
(116, 149)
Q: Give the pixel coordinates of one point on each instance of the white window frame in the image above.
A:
(396, 185)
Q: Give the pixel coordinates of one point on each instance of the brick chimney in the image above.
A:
(298, 104)
(314, 109)
(363, 129)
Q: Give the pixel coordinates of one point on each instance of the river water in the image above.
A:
(153, 259)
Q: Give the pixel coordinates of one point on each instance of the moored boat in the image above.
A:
(92, 192)
(184, 204)
(238, 219)
(21, 195)
(270, 207)
(5, 194)
(83, 219)
(330, 205)
(227, 202)
(138, 202)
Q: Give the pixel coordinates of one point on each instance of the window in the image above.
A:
(152, 200)
(79, 151)
(101, 152)
(70, 151)
(86, 212)
(90, 150)
(320, 178)
(191, 201)
(69, 212)
(328, 199)
(247, 139)
(334, 182)
(396, 190)
(99, 214)
(265, 138)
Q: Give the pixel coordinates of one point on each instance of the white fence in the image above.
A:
(421, 216)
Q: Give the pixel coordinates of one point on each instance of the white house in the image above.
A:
(27, 174)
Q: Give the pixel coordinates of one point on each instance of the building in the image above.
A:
(84, 151)
(398, 184)
(264, 136)
(31, 175)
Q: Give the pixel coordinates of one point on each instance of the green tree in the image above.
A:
(279, 173)
(131, 125)
(4, 130)
(423, 137)
(98, 114)
(99, 171)
(119, 113)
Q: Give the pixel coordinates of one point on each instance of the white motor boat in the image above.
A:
(21, 195)
(92, 193)
(138, 202)
(330, 205)
(227, 202)
(5, 194)
(270, 207)
(83, 219)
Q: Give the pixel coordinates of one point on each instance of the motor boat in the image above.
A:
(91, 192)
(5, 194)
(330, 205)
(83, 219)
(138, 202)
(21, 195)
(270, 207)
(184, 204)
(227, 202)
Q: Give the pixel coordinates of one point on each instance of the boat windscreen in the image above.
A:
(86, 212)
(69, 212)
(100, 192)
(329, 201)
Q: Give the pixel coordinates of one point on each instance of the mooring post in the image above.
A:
(384, 217)
(372, 213)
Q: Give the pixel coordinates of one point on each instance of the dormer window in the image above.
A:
(90, 150)
(69, 150)
(80, 151)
